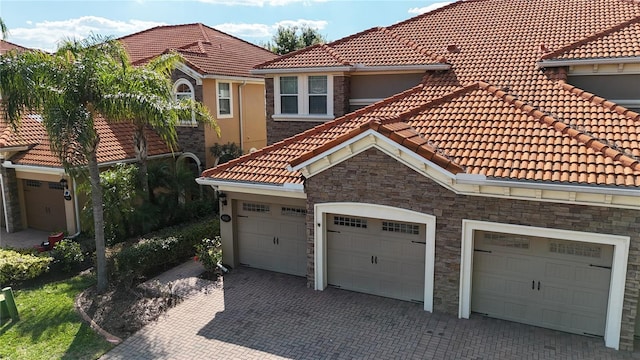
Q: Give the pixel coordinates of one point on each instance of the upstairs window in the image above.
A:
(184, 90)
(224, 99)
(303, 97)
(317, 94)
(289, 95)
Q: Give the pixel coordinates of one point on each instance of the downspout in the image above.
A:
(240, 114)
(76, 209)
(4, 204)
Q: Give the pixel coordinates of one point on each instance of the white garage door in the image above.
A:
(272, 237)
(557, 284)
(376, 256)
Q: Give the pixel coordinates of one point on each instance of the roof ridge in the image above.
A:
(588, 39)
(334, 54)
(599, 145)
(413, 45)
(235, 38)
(204, 34)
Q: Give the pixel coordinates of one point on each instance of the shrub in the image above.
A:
(209, 252)
(15, 266)
(161, 250)
(68, 254)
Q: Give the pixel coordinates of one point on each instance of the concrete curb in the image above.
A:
(110, 338)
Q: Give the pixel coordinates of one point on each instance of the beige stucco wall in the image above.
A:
(254, 133)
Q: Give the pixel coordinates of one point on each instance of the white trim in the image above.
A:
(618, 268)
(230, 114)
(355, 68)
(634, 103)
(303, 99)
(377, 212)
(33, 168)
(594, 61)
(237, 79)
(190, 156)
(301, 70)
(298, 117)
(284, 190)
(190, 72)
(192, 91)
(360, 102)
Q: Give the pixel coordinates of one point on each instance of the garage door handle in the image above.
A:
(419, 242)
(376, 259)
(278, 241)
(601, 266)
(533, 285)
(538, 285)
(334, 231)
(274, 240)
(372, 259)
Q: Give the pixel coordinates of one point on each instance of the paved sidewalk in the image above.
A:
(256, 314)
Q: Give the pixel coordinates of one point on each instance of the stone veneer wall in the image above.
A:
(12, 200)
(374, 177)
(279, 130)
(191, 139)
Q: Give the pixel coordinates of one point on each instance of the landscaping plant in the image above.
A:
(68, 254)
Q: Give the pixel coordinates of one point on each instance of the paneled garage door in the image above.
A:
(557, 284)
(272, 237)
(44, 202)
(376, 256)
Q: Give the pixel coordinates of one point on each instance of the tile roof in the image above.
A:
(389, 50)
(495, 112)
(7, 46)
(619, 41)
(205, 49)
(116, 142)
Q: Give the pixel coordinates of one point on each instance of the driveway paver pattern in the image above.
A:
(255, 314)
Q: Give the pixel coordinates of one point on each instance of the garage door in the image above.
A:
(44, 204)
(376, 256)
(557, 284)
(272, 237)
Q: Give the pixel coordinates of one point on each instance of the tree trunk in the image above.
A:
(98, 222)
(140, 145)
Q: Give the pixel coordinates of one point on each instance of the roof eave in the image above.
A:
(286, 190)
(591, 61)
(355, 68)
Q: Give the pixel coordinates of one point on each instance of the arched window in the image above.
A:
(183, 89)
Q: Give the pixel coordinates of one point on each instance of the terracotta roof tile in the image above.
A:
(494, 113)
(8, 46)
(209, 51)
(116, 142)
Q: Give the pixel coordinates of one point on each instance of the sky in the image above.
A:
(43, 24)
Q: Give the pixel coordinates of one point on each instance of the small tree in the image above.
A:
(224, 153)
(289, 39)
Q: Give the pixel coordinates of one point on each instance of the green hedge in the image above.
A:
(15, 266)
(163, 249)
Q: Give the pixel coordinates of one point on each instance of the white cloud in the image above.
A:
(428, 8)
(267, 31)
(260, 3)
(47, 34)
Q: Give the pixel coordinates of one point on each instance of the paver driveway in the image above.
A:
(256, 314)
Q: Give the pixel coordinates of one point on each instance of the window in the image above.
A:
(317, 94)
(350, 221)
(260, 208)
(398, 227)
(303, 97)
(289, 95)
(184, 90)
(224, 99)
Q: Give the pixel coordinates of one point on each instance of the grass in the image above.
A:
(49, 327)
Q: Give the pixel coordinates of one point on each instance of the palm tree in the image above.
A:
(154, 78)
(3, 30)
(81, 81)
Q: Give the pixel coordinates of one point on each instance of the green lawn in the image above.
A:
(49, 327)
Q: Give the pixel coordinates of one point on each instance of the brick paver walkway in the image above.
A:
(255, 314)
